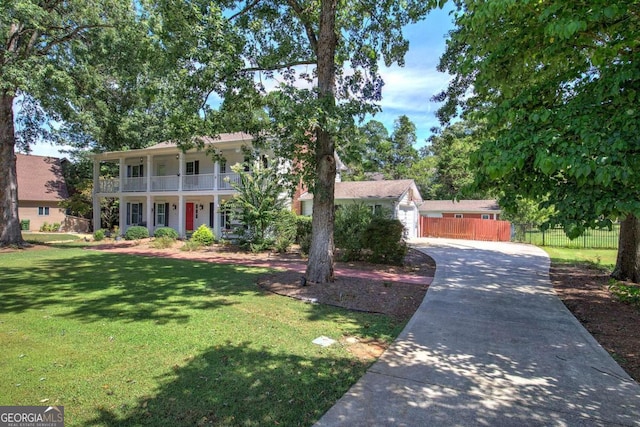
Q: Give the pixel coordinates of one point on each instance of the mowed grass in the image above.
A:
(49, 237)
(602, 258)
(126, 340)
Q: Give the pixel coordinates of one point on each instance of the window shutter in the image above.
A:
(128, 171)
(155, 213)
(141, 168)
(166, 214)
(128, 213)
(196, 167)
(140, 216)
(211, 216)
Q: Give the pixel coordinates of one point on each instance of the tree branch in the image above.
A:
(246, 9)
(70, 36)
(311, 35)
(280, 66)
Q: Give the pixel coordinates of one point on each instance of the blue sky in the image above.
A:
(407, 89)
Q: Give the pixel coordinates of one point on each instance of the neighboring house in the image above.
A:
(400, 197)
(474, 209)
(41, 187)
(161, 186)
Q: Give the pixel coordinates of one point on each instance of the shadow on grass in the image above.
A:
(95, 286)
(235, 384)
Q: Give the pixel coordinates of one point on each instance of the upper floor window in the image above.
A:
(43, 210)
(223, 165)
(193, 168)
(135, 171)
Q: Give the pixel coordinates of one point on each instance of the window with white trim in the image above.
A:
(486, 216)
(43, 210)
(458, 215)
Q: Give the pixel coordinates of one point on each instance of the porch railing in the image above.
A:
(212, 182)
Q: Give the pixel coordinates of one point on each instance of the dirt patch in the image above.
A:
(615, 325)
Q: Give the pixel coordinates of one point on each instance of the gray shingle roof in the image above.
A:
(392, 189)
(40, 178)
(459, 206)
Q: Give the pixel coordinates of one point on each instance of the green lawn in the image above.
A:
(49, 237)
(125, 340)
(605, 258)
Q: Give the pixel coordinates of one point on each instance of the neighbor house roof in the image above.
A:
(40, 178)
(392, 189)
(459, 206)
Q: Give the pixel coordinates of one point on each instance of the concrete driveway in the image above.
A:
(491, 345)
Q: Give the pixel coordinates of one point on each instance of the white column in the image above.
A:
(180, 172)
(181, 214)
(216, 175)
(97, 223)
(149, 173)
(217, 230)
(150, 214)
(122, 215)
(122, 174)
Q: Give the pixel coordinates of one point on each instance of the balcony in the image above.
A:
(204, 182)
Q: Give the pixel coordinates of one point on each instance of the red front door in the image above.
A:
(189, 218)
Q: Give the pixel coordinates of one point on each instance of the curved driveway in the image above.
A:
(492, 345)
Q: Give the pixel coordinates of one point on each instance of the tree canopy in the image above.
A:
(557, 83)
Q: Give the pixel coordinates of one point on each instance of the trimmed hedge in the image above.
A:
(166, 232)
(136, 232)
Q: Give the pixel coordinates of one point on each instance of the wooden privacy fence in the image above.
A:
(466, 228)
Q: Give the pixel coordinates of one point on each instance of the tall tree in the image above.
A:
(403, 153)
(452, 148)
(117, 74)
(557, 83)
(314, 41)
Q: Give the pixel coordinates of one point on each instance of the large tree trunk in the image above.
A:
(628, 262)
(320, 266)
(10, 233)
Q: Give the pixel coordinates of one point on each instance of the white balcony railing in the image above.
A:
(165, 183)
(226, 179)
(171, 183)
(135, 184)
(198, 182)
(109, 185)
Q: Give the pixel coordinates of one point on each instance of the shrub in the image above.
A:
(203, 235)
(285, 230)
(351, 222)
(191, 245)
(136, 232)
(99, 235)
(166, 232)
(303, 233)
(384, 237)
(163, 242)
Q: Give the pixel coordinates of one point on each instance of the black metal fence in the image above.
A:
(596, 239)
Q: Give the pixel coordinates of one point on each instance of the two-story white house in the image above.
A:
(161, 186)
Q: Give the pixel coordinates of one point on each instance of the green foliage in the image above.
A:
(50, 228)
(350, 227)
(384, 237)
(561, 121)
(258, 204)
(136, 232)
(191, 246)
(303, 233)
(629, 294)
(166, 232)
(99, 235)
(203, 235)
(163, 242)
(285, 230)
(527, 211)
